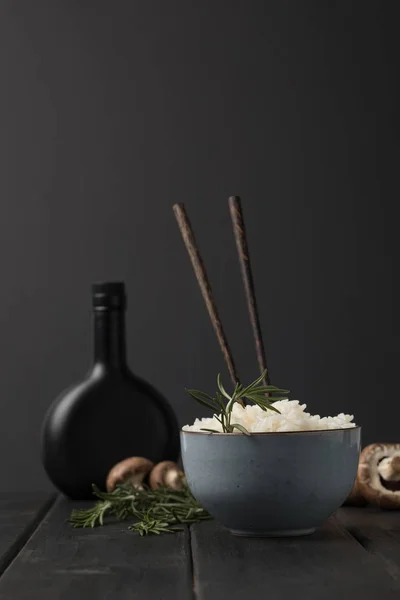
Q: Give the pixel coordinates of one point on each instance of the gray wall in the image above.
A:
(110, 112)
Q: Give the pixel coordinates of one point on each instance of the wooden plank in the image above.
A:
(19, 516)
(108, 562)
(378, 531)
(328, 565)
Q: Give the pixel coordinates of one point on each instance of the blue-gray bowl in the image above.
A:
(271, 484)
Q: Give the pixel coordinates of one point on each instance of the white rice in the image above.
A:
(292, 417)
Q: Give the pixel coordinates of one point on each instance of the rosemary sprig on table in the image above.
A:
(156, 511)
(262, 395)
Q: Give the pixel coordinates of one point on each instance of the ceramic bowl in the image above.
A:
(271, 484)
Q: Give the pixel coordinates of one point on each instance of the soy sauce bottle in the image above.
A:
(111, 415)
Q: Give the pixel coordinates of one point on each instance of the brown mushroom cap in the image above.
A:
(131, 470)
(379, 475)
(167, 473)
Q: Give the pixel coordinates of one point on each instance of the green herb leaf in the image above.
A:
(220, 400)
(211, 430)
(259, 393)
(156, 511)
(91, 517)
(271, 389)
(199, 397)
(261, 402)
(255, 383)
(240, 428)
(221, 387)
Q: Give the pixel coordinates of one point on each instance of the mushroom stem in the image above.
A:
(167, 473)
(131, 471)
(389, 468)
(174, 479)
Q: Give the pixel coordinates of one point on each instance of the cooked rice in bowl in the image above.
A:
(292, 417)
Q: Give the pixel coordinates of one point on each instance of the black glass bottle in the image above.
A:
(111, 415)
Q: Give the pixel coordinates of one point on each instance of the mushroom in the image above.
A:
(131, 470)
(379, 475)
(167, 473)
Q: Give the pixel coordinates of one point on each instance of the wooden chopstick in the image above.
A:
(239, 232)
(205, 286)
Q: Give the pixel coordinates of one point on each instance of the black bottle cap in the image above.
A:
(108, 294)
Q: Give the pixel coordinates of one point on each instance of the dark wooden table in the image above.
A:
(355, 555)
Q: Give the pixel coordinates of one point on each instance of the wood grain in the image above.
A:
(205, 286)
(97, 564)
(239, 232)
(355, 555)
(378, 531)
(20, 514)
(329, 565)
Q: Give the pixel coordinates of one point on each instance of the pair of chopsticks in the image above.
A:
(239, 231)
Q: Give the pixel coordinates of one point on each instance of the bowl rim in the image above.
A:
(270, 433)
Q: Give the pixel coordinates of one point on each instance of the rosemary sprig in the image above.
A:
(148, 525)
(222, 404)
(156, 511)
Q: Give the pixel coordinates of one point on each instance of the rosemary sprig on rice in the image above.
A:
(223, 403)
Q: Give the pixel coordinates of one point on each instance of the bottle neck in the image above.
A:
(109, 338)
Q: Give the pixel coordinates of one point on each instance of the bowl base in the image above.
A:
(272, 533)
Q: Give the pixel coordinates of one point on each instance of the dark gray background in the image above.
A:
(110, 112)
